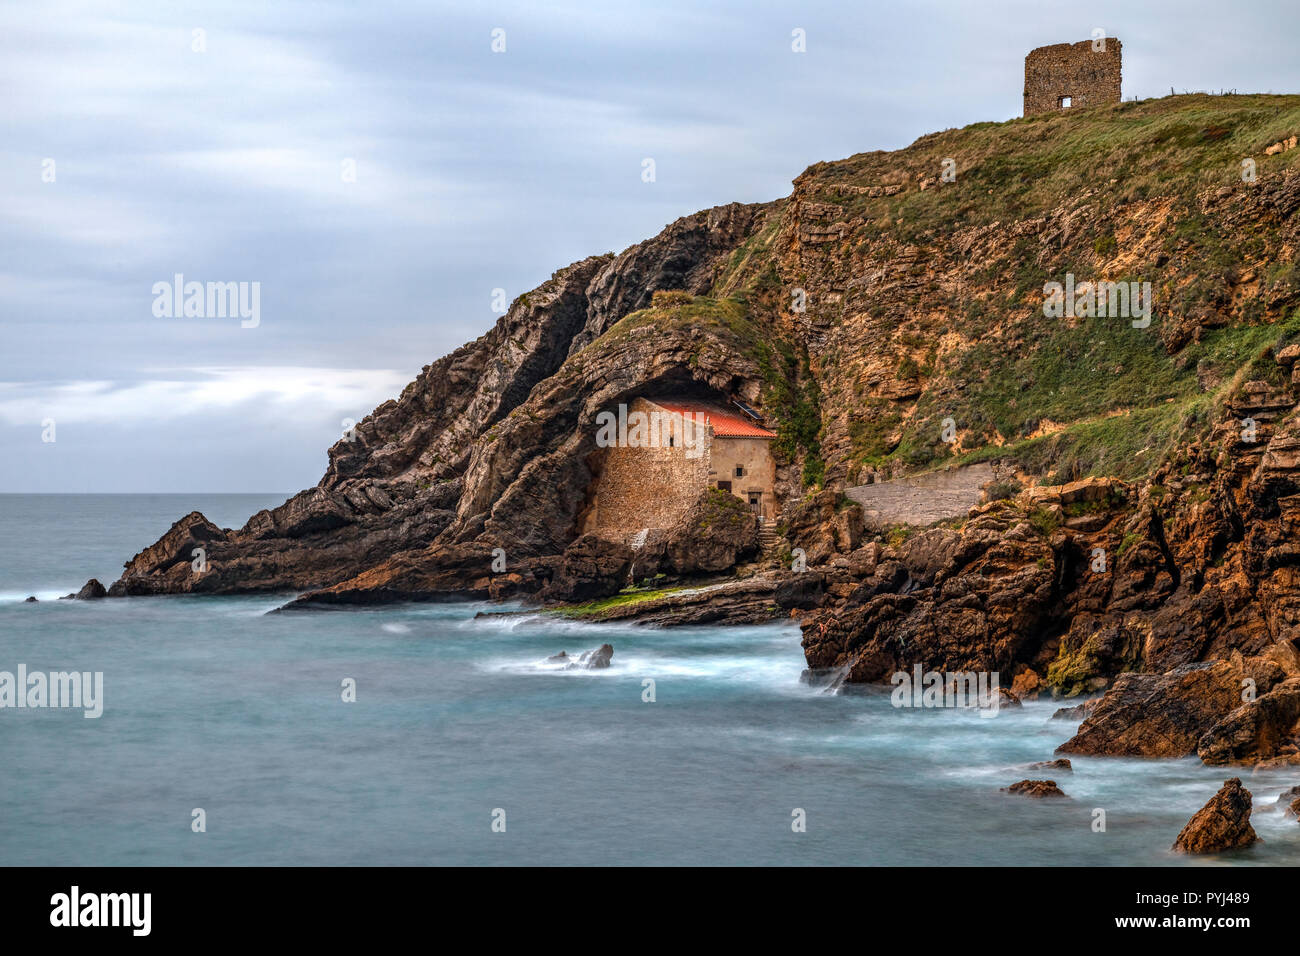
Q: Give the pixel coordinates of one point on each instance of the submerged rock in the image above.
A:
(597, 659)
(1059, 764)
(1289, 802)
(1222, 824)
(1035, 788)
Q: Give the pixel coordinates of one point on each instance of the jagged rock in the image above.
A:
(597, 659)
(433, 574)
(1256, 730)
(823, 525)
(1026, 685)
(1222, 824)
(590, 568)
(1158, 715)
(30, 600)
(1035, 788)
(92, 590)
(804, 589)
(952, 602)
(1091, 649)
(718, 531)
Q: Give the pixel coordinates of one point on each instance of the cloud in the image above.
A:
(475, 171)
(266, 392)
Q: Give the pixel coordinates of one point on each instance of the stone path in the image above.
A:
(923, 499)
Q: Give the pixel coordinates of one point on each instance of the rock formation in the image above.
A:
(598, 659)
(1035, 788)
(1222, 824)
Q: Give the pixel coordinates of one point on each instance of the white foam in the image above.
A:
(17, 597)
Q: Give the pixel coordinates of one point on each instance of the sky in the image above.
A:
(375, 171)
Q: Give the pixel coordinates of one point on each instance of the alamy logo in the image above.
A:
(102, 909)
(932, 689)
(1114, 300)
(39, 690)
(208, 300)
(657, 429)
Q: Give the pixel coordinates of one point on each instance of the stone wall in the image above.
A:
(654, 487)
(646, 487)
(754, 455)
(1086, 76)
(922, 499)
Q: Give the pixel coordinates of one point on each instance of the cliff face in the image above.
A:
(487, 448)
(887, 318)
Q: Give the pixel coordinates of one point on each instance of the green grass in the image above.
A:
(1021, 168)
(624, 598)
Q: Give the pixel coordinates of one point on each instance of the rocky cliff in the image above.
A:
(887, 319)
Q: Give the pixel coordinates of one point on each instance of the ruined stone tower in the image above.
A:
(1067, 76)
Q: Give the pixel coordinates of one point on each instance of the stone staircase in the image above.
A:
(767, 536)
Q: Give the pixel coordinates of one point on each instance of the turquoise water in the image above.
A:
(211, 703)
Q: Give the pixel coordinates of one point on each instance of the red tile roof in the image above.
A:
(725, 424)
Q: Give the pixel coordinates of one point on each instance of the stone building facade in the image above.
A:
(1067, 76)
(650, 481)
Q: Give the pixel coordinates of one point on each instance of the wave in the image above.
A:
(17, 597)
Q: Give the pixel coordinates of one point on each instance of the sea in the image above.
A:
(441, 734)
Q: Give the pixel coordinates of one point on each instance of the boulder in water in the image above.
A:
(1060, 764)
(597, 659)
(1035, 788)
(1289, 802)
(589, 660)
(92, 590)
(1222, 824)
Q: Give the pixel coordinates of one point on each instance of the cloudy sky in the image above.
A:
(135, 148)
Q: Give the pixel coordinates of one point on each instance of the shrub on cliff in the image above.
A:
(662, 298)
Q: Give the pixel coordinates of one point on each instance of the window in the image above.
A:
(740, 471)
(1067, 102)
(724, 486)
(672, 440)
